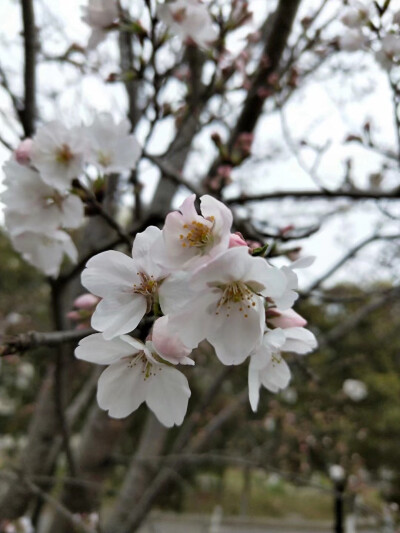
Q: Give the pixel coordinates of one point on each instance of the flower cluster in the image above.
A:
(190, 19)
(200, 282)
(41, 199)
(369, 27)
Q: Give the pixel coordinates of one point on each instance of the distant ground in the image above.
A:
(173, 523)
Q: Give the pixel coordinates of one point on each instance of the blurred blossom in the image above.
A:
(25, 373)
(100, 15)
(356, 390)
(352, 41)
(336, 472)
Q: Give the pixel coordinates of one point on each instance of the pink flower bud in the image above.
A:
(168, 345)
(287, 319)
(74, 315)
(236, 239)
(24, 151)
(86, 301)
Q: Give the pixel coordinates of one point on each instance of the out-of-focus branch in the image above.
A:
(351, 253)
(276, 43)
(19, 344)
(352, 194)
(171, 174)
(28, 113)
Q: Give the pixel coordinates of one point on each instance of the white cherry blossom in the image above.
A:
(228, 306)
(128, 286)
(189, 19)
(111, 148)
(58, 154)
(45, 251)
(267, 368)
(32, 205)
(100, 15)
(352, 40)
(192, 239)
(134, 376)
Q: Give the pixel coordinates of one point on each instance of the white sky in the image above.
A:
(347, 91)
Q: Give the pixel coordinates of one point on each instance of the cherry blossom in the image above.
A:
(190, 19)
(228, 309)
(285, 319)
(128, 287)
(192, 239)
(32, 205)
(267, 367)
(45, 251)
(100, 15)
(58, 154)
(135, 375)
(352, 40)
(110, 146)
(355, 15)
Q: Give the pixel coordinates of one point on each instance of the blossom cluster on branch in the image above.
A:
(369, 26)
(44, 178)
(199, 282)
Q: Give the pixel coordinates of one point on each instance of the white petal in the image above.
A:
(276, 376)
(299, 340)
(236, 335)
(254, 387)
(121, 389)
(95, 349)
(109, 273)
(115, 316)
(167, 395)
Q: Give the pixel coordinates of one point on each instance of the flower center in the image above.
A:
(148, 369)
(147, 288)
(199, 235)
(64, 154)
(235, 296)
(104, 159)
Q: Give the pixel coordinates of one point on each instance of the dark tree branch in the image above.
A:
(28, 113)
(353, 194)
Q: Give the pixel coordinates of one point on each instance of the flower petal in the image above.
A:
(121, 389)
(115, 316)
(167, 395)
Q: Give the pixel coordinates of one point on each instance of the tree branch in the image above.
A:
(19, 344)
(28, 113)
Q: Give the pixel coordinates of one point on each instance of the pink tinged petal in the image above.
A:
(168, 345)
(121, 389)
(299, 340)
(96, 349)
(109, 273)
(167, 395)
(210, 207)
(24, 151)
(236, 240)
(119, 315)
(236, 335)
(288, 319)
(188, 209)
(276, 376)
